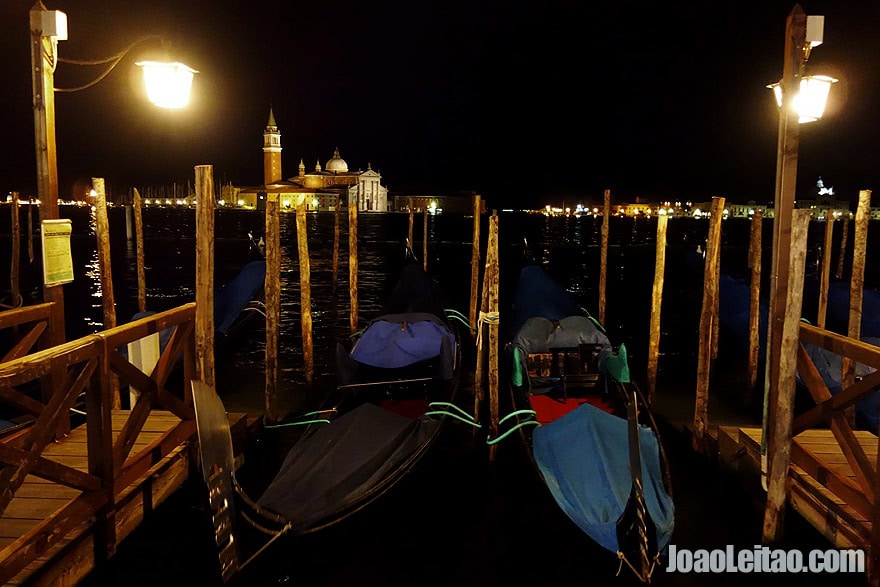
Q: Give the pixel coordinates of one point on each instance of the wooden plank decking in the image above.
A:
(38, 500)
(821, 466)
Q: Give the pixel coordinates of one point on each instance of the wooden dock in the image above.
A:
(822, 484)
(67, 497)
(827, 470)
(39, 501)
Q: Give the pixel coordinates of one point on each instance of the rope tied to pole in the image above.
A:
(529, 421)
(486, 318)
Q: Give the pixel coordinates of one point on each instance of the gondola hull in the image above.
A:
(602, 463)
(369, 432)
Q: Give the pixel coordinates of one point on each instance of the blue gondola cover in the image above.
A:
(584, 458)
(399, 340)
(232, 298)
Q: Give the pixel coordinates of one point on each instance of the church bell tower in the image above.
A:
(271, 151)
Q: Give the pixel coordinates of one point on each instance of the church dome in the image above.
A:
(337, 163)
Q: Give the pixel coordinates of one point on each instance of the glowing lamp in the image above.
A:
(809, 102)
(168, 84)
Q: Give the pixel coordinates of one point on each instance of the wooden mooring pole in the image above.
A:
(480, 368)
(716, 307)
(825, 275)
(788, 138)
(139, 248)
(603, 255)
(14, 269)
(844, 237)
(30, 231)
(857, 283)
(656, 304)
(204, 322)
(102, 231)
(475, 267)
(779, 443)
(128, 221)
(353, 264)
(754, 297)
(272, 290)
(707, 325)
(425, 239)
(305, 290)
(409, 234)
(335, 247)
(492, 272)
(105, 271)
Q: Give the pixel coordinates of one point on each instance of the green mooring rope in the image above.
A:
(491, 441)
(516, 413)
(452, 313)
(501, 437)
(452, 415)
(302, 423)
(461, 415)
(453, 406)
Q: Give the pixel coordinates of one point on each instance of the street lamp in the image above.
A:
(802, 33)
(810, 100)
(807, 98)
(168, 84)
(47, 27)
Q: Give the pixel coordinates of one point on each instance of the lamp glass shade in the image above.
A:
(168, 84)
(810, 101)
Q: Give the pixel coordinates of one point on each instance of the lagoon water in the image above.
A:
(457, 520)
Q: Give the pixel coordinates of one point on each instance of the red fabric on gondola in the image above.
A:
(549, 408)
(411, 408)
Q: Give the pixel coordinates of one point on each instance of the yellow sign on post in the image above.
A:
(57, 258)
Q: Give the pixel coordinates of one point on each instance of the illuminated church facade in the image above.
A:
(323, 188)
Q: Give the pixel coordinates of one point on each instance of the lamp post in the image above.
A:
(47, 27)
(802, 33)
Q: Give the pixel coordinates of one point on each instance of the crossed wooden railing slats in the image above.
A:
(89, 364)
(862, 494)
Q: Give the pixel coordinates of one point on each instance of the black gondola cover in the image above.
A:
(333, 468)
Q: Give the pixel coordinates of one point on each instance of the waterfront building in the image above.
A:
(746, 210)
(324, 188)
(456, 203)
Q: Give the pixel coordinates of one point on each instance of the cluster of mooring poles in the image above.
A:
(790, 227)
(204, 323)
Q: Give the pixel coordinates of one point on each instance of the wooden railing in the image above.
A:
(90, 364)
(861, 495)
(30, 324)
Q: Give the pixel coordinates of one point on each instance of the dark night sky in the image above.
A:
(520, 101)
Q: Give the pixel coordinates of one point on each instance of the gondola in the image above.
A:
(396, 386)
(585, 425)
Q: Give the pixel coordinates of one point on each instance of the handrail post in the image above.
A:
(99, 428)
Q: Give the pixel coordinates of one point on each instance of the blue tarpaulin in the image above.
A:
(537, 295)
(234, 297)
(584, 458)
(399, 340)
